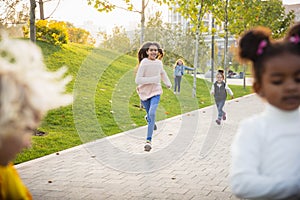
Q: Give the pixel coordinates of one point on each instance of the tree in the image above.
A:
(272, 14)
(244, 14)
(32, 21)
(106, 6)
(176, 42)
(13, 12)
(194, 11)
(41, 6)
(41, 3)
(154, 30)
(118, 41)
(235, 15)
(78, 35)
(221, 10)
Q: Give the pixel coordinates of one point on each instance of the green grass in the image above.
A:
(105, 99)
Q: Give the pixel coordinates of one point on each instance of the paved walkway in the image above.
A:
(190, 160)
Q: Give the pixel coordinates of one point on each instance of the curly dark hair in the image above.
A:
(257, 46)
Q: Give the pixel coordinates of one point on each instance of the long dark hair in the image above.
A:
(142, 53)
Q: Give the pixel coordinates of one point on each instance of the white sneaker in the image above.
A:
(147, 146)
(174, 92)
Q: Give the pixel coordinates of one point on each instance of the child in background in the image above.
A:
(148, 77)
(219, 89)
(27, 92)
(179, 70)
(265, 152)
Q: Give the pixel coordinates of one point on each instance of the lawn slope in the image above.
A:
(105, 99)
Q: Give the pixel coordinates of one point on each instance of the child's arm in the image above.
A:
(229, 90)
(174, 72)
(245, 178)
(165, 79)
(212, 89)
(188, 68)
(140, 79)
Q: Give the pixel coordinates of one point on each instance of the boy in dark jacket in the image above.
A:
(219, 89)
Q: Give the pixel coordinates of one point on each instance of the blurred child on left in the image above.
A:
(27, 92)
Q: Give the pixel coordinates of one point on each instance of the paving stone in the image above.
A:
(190, 160)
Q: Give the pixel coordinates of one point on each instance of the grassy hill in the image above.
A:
(105, 100)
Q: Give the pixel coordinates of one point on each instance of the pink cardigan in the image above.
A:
(148, 77)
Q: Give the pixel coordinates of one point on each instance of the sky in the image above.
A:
(291, 1)
(79, 13)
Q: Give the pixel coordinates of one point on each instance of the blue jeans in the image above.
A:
(151, 106)
(177, 81)
(220, 105)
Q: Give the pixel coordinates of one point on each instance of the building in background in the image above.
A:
(175, 19)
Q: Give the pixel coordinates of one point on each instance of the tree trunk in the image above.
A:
(41, 3)
(197, 50)
(142, 23)
(32, 20)
(244, 76)
(212, 49)
(196, 62)
(226, 39)
(142, 31)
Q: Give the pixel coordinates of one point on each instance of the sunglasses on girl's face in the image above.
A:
(153, 49)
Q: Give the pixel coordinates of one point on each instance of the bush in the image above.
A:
(52, 32)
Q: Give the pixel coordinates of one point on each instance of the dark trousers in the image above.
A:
(177, 83)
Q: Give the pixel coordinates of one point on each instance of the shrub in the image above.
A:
(52, 32)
